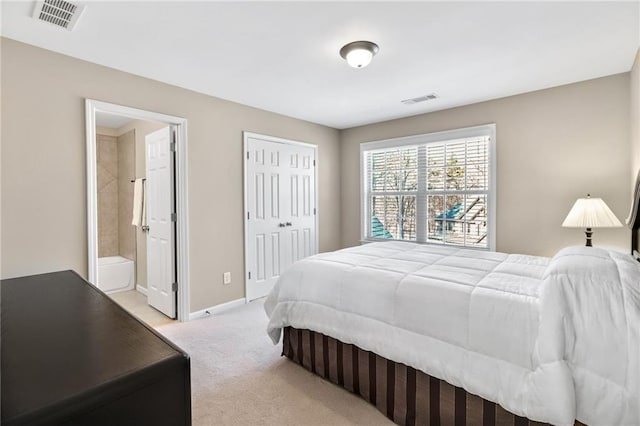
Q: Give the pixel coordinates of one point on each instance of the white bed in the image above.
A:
(552, 340)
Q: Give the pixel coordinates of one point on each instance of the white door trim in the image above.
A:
(159, 167)
(246, 136)
(182, 225)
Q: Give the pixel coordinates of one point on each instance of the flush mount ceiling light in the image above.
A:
(358, 54)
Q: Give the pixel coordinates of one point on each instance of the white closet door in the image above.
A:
(280, 221)
(300, 224)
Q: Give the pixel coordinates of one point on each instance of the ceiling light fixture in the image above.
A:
(358, 54)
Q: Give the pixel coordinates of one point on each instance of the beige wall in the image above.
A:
(634, 118)
(44, 204)
(553, 146)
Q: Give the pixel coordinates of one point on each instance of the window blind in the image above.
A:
(393, 189)
(433, 192)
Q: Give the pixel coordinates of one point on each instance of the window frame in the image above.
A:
(423, 140)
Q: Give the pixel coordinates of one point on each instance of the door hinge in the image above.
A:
(247, 155)
(174, 217)
(314, 210)
(174, 286)
(248, 216)
(314, 163)
(249, 275)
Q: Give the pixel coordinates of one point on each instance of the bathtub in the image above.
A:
(115, 273)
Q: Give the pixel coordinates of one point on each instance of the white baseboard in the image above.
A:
(217, 309)
(141, 289)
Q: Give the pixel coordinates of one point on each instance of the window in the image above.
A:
(435, 188)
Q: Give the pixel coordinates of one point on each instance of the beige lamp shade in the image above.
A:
(591, 213)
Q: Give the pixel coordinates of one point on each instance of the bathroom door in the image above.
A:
(159, 194)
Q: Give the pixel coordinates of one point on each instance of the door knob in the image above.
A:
(281, 225)
(288, 224)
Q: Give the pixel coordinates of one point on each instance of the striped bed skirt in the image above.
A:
(405, 395)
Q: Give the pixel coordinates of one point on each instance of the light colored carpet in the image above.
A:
(239, 378)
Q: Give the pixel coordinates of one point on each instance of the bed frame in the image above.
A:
(633, 221)
(405, 395)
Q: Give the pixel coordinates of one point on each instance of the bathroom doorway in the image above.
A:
(136, 174)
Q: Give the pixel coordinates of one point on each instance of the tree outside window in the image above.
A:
(455, 176)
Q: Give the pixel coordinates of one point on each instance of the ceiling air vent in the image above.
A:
(58, 12)
(420, 99)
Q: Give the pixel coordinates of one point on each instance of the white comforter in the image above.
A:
(550, 340)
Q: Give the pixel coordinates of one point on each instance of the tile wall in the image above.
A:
(126, 173)
(116, 169)
(107, 182)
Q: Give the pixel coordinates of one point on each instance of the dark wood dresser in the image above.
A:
(72, 356)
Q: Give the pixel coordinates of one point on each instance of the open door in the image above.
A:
(160, 210)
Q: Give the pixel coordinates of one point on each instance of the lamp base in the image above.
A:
(588, 232)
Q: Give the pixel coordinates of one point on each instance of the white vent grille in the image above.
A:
(58, 12)
(424, 98)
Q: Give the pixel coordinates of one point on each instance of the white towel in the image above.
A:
(144, 205)
(139, 218)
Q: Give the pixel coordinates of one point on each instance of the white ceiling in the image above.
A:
(111, 121)
(283, 56)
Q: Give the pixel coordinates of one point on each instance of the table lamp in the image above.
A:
(590, 213)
